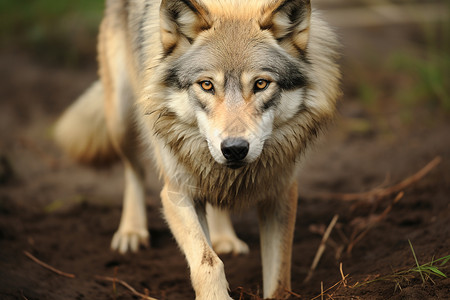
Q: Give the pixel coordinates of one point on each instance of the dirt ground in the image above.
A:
(65, 214)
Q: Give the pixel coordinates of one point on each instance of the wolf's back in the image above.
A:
(82, 131)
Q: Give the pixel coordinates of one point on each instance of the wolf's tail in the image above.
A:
(82, 132)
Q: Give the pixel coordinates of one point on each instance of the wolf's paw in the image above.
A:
(229, 244)
(129, 240)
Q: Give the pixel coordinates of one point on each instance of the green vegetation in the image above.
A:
(433, 269)
(55, 30)
(428, 269)
(430, 75)
(431, 71)
(414, 77)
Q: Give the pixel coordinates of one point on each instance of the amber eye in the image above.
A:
(261, 84)
(206, 85)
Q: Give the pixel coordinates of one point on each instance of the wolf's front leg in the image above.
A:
(189, 226)
(277, 223)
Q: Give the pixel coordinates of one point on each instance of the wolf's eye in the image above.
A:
(260, 85)
(207, 86)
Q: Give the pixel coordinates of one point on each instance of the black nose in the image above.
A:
(234, 149)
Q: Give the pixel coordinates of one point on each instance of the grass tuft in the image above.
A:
(428, 271)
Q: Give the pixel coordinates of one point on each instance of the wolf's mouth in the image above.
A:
(235, 164)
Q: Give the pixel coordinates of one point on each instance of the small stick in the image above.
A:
(293, 294)
(387, 191)
(344, 281)
(337, 284)
(48, 267)
(369, 226)
(321, 248)
(241, 293)
(126, 285)
(321, 290)
(114, 282)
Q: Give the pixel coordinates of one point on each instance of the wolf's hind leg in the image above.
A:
(116, 72)
(132, 230)
(223, 237)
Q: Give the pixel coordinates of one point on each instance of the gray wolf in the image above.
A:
(226, 95)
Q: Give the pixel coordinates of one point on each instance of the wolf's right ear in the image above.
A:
(181, 21)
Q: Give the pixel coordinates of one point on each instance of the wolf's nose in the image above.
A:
(234, 149)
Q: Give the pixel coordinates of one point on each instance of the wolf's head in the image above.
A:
(238, 69)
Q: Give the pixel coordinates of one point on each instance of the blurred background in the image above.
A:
(57, 32)
(395, 53)
(393, 119)
(396, 56)
(406, 41)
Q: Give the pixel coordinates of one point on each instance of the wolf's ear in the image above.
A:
(288, 20)
(181, 19)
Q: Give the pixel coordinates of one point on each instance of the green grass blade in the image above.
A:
(417, 262)
(430, 271)
(436, 271)
(444, 259)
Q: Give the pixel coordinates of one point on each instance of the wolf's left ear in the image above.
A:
(181, 21)
(288, 20)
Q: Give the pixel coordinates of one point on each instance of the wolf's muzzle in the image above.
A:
(234, 150)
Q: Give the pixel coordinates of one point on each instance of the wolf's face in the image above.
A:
(239, 77)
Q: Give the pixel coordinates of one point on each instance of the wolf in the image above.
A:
(226, 96)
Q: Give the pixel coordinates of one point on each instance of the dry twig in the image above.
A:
(321, 290)
(294, 294)
(383, 192)
(126, 285)
(48, 267)
(356, 237)
(344, 281)
(321, 248)
(336, 285)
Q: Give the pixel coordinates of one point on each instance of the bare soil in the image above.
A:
(65, 214)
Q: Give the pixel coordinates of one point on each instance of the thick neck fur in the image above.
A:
(261, 180)
(272, 172)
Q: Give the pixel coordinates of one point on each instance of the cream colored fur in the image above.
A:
(81, 131)
(223, 236)
(142, 46)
